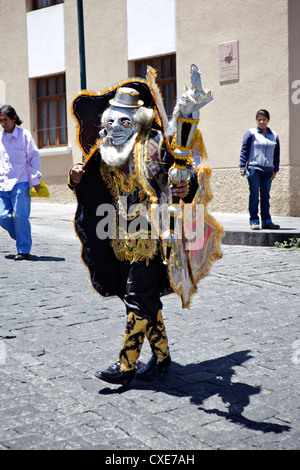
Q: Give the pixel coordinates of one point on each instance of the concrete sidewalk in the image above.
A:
(238, 231)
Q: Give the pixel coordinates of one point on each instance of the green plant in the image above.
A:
(291, 244)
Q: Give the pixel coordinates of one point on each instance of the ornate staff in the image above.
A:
(178, 173)
(185, 120)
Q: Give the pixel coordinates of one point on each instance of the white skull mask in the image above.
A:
(119, 125)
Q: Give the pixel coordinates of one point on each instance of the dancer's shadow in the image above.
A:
(204, 380)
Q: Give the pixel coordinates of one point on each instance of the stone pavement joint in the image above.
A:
(233, 382)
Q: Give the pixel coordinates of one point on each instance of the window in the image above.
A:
(166, 77)
(51, 109)
(38, 4)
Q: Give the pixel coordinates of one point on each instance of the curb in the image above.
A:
(257, 238)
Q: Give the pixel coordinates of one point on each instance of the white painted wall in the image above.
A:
(46, 41)
(151, 28)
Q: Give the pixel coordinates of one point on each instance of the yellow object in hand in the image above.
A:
(42, 192)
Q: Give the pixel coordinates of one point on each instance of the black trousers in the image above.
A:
(142, 286)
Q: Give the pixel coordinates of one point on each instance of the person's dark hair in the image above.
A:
(263, 112)
(11, 113)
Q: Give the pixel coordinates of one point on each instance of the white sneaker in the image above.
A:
(255, 227)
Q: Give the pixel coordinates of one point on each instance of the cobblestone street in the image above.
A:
(233, 382)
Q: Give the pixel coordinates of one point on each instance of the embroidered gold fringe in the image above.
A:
(129, 248)
(197, 146)
(141, 250)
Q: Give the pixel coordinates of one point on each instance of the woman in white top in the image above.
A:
(19, 170)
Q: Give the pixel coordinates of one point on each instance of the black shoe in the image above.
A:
(21, 256)
(270, 226)
(152, 367)
(114, 374)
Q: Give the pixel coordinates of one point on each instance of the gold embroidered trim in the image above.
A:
(197, 146)
(140, 158)
(127, 183)
(135, 250)
(117, 180)
(137, 246)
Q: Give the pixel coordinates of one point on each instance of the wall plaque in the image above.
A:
(229, 61)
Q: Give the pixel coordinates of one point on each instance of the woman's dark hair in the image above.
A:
(264, 112)
(11, 113)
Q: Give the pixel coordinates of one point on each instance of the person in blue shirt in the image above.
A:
(259, 161)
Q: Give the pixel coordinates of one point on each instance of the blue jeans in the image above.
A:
(14, 215)
(259, 186)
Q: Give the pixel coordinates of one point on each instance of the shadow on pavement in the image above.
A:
(38, 258)
(204, 380)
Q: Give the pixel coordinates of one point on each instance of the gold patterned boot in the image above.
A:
(123, 371)
(133, 340)
(161, 359)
